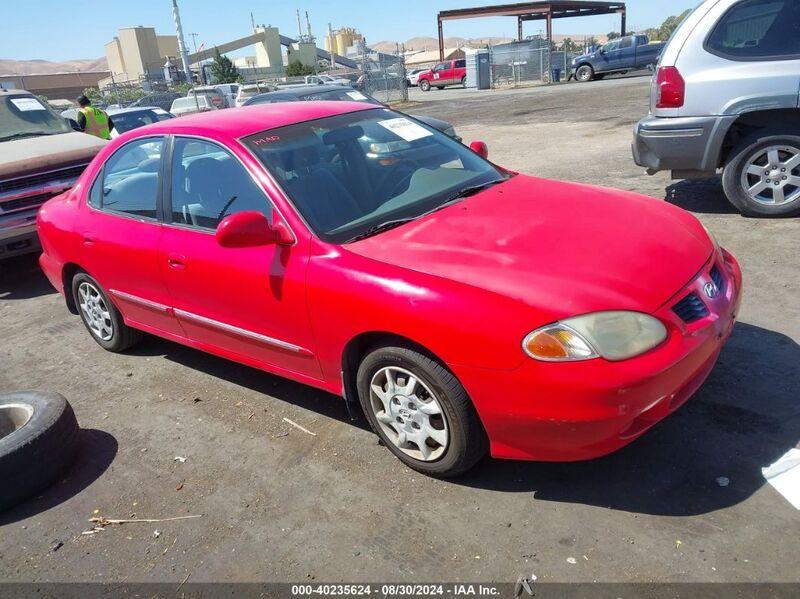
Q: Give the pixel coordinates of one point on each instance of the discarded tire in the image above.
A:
(39, 440)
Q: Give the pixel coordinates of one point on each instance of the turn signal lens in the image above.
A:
(557, 343)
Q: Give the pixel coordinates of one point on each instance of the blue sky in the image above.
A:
(72, 29)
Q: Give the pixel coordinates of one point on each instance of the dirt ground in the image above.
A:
(278, 504)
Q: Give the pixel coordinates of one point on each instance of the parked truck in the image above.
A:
(449, 72)
(40, 157)
(629, 53)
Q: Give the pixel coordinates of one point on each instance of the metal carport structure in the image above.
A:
(533, 11)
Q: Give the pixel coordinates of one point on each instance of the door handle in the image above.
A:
(176, 261)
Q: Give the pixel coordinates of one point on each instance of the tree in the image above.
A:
(613, 35)
(667, 28)
(222, 69)
(298, 69)
(569, 45)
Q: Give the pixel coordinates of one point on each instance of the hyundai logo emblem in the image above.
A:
(710, 290)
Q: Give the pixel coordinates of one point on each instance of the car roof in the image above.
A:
(307, 89)
(234, 123)
(113, 111)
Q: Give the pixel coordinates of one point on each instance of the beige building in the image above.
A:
(342, 39)
(138, 52)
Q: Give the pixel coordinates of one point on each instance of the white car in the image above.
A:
(412, 77)
(192, 105)
(327, 80)
(215, 96)
(249, 90)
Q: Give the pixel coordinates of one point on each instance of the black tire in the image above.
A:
(36, 452)
(425, 85)
(733, 171)
(440, 87)
(464, 81)
(584, 73)
(123, 337)
(467, 440)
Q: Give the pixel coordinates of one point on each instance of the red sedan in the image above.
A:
(467, 308)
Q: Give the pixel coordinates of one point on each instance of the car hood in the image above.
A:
(566, 248)
(32, 154)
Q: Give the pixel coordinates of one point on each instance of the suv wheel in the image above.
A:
(584, 73)
(425, 85)
(420, 411)
(762, 176)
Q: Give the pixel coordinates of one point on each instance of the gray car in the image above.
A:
(726, 96)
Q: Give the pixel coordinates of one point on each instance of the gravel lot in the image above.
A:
(279, 504)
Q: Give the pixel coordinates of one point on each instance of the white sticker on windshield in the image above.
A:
(27, 104)
(405, 129)
(159, 111)
(357, 96)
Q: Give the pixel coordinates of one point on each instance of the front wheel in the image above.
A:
(425, 85)
(584, 73)
(420, 411)
(762, 176)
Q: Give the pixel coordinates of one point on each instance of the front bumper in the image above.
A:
(583, 410)
(680, 144)
(18, 234)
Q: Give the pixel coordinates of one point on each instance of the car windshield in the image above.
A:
(125, 121)
(26, 116)
(356, 174)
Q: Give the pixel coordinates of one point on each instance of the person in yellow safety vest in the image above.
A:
(92, 120)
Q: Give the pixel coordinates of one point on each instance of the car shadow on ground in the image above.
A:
(704, 196)
(321, 402)
(744, 417)
(21, 278)
(97, 452)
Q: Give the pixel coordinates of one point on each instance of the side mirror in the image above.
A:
(74, 124)
(480, 148)
(251, 229)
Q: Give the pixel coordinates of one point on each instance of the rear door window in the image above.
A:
(131, 179)
(758, 30)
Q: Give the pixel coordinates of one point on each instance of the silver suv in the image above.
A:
(726, 95)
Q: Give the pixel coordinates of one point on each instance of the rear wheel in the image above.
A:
(762, 176)
(100, 317)
(425, 85)
(420, 411)
(584, 73)
(464, 81)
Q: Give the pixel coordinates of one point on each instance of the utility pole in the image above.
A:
(176, 16)
(332, 46)
(252, 22)
(194, 43)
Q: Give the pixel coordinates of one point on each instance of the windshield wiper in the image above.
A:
(28, 134)
(381, 227)
(462, 193)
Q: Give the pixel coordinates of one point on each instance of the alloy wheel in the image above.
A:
(95, 312)
(409, 413)
(771, 176)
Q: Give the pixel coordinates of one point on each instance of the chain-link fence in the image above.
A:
(384, 77)
(529, 61)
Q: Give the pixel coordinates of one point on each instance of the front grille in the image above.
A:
(719, 279)
(690, 309)
(24, 203)
(40, 179)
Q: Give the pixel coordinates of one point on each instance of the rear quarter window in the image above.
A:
(758, 30)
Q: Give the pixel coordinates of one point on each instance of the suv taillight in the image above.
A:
(671, 88)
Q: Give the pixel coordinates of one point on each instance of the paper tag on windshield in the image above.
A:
(27, 104)
(405, 129)
(160, 111)
(357, 96)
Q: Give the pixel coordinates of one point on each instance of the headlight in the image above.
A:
(614, 336)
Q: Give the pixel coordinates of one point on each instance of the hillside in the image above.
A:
(46, 67)
(431, 43)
